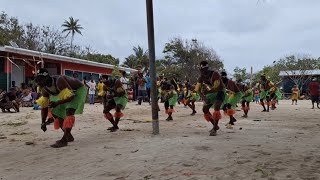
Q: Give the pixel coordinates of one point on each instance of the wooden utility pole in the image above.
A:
(251, 74)
(152, 63)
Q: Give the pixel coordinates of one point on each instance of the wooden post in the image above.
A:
(152, 62)
(251, 74)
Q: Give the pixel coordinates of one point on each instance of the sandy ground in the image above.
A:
(282, 144)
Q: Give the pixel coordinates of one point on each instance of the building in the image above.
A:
(287, 83)
(19, 65)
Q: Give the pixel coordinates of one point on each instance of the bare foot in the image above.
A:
(70, 138)
(59, 144)
(114, 129)
(169, 119)
(229, 126)
(213, 132)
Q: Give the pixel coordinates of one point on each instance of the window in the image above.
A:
(80, 75)
(95, 77)
(1, 64)
(86, 75)
(68, 73)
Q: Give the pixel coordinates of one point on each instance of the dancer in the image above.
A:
(115, 98)
(67, 97)
(274, 97)
(171, 97)
(295, 94)
(214, 94)
(265, 85)
(246, 99)
(191, 98)
(231, 100)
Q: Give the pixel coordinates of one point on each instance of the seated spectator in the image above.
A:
(25, 98)
(8, 101)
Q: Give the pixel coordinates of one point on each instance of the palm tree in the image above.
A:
(130, 62)
(72, 26)
(141, 56)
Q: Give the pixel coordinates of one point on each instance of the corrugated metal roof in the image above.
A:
(297, 72)
(60, 58)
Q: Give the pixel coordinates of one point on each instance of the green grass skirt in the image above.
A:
(211, 98)
(195, 97)
(232, 99)
(123, 100)
(248, 98)
(77, 103)
(173, 100)
(264, 94)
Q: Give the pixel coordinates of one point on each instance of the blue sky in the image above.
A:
(243, 32)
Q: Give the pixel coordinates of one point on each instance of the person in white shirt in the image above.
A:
(124, 80)
(92, 90)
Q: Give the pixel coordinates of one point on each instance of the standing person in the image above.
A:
(214, 94)
(92, 90)
(67, 97)
(136, 85)
(142, 88)
(256, 95)
(148, 86)
(314, 92)
(295, 94)
(124, 80)
(100, 89)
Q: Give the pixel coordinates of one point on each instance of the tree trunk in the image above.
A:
(71, 48)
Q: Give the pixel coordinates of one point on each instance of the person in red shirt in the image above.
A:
(314, 92)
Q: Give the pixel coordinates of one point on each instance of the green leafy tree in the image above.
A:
(298, 70)
(116, 72)
(182, 57)
(10, 30)
(239, 73)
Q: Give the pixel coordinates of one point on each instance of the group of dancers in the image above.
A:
(62, 97)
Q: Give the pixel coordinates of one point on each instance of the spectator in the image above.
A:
(92, 90)
(26, 97)
(148, 86)
(142, 89)
(8, 101)
(75, 76)
(101, 92)
(257, 96)
(124, 80)
(314, 92)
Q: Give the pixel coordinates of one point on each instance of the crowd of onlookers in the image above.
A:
(137, 87)
(16, 97)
